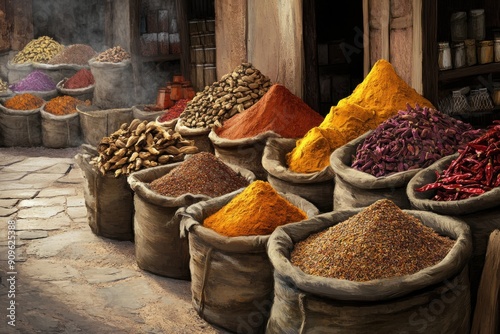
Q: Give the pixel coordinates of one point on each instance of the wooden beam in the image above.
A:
(366, 37)
(385, 29)
(183, 28)
(430, 67)
(311, 81)
(416, 67)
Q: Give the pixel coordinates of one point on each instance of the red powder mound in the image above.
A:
(278, 110)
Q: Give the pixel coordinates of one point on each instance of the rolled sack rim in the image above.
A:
(15, 112)
(55, 67)
(279, 147)
(342, 168)
(187, 131)
(281, 243)
(70, 91)
(48, 115)
(103, 64)
(424, 201)
(242, 142)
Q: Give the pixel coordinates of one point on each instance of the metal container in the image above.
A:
(458, 54)
(444, 59)
(458, 26)
(475, 25)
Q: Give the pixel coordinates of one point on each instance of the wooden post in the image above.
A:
(416, 66)
(366, 37)
(385, 29)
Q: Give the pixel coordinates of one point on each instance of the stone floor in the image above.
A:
(64, 278)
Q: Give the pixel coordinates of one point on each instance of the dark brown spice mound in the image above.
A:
(201, 174)
(381, 241)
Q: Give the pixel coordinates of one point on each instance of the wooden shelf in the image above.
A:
(468, 71)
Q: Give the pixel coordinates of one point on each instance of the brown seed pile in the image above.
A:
(201, 174)
(233, 93)
(381, 241)
(113, 55)
(138, 145)
(78, 54)
(38, 50)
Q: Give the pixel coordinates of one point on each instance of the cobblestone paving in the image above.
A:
(65, 279)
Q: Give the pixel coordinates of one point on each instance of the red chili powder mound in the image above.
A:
(278, 110)
(81, 79)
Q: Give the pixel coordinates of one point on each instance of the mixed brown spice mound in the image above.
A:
(381, 241)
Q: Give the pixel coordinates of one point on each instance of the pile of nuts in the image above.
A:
(4, 86)
(139, 145)
(39, 50)
(113, 55)
(232, 94)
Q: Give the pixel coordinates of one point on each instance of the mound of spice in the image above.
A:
(36, 81)
(414, 138)
(39, 50)
(201, 174)
(63, 105)
(380, 96)
(475, 171)
(81, 79)
(233, 93)
(77, 54)
(115, 54)
(175, 111)
(381, 241)
(257, 210)
(25, 101)
(279, 111)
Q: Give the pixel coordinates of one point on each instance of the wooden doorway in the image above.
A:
(333, 51)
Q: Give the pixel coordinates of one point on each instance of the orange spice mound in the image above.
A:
(279, 110)
(257, 210)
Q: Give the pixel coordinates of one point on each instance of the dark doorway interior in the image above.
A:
(333, 47)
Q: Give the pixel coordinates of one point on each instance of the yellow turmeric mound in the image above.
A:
(380, 96)
(257, 210)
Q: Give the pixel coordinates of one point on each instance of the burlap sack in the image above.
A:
(82, 94)
(139, 113)
(60, 131)
(481, 213)
(158, 246)
(356, 189)
(114, 84)
(96, 123)
(109, 202)
(231, 277)
(317, 187)
(17, 72)
(433, 300)
(59, 71)
(199, 135)
(20, 127)
(245, 152)
(168, 124)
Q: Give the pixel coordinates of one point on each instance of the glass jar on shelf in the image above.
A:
(444, 56)
(485, 52)
(458, 54)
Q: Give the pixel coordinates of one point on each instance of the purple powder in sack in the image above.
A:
(35, 81)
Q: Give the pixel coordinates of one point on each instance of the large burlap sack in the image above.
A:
(356, 189)
(317, 187)
(481, 213)
(114, 84)
(245, 152)
(96, 123)
(109, 202)
(17, 72)
(60, 131)
(231, 277)
(199, 135)
(20, 127)
(158, 246)
(139, 113)
(83, 94)
(433, 300)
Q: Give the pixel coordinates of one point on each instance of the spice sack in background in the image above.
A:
(159, 192)
(374, 267)
(231, 276)
(20, 121)
(114, 84)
